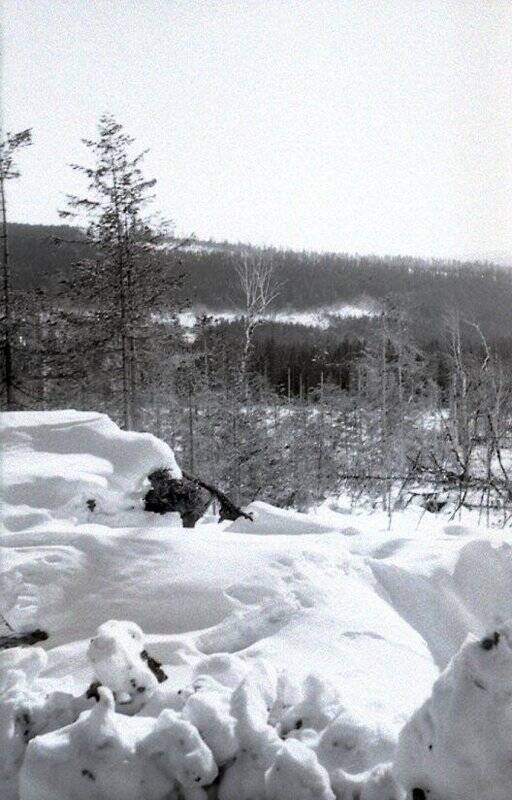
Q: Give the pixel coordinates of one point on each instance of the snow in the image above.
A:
(115, 655)
(57, 460)
(299, 649)
(457, 745)
(322, 317)
(297, 775)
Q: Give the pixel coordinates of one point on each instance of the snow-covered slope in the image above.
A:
(352, 617)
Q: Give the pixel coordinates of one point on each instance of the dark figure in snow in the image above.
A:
(179, 495)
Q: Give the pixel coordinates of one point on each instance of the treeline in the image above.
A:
(293, 359)
(43, 255)
(389, 417)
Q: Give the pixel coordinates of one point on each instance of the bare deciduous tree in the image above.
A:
(259, 286)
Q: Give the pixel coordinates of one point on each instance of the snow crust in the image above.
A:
(308, 655)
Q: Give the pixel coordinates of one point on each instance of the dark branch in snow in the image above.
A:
(17, 639)
(155, 666)
(228, 510)
(189, 496)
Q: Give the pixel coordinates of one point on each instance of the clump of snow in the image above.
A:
(115, 654)
(209, 709)
(226, 669)
(93, 758)
(349, 743)
(257, 745)
(297, 775)
(377, 783)
(321, 704)
(28, 708)
(176, 748)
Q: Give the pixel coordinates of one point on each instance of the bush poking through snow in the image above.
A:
(176, 748)
(235, 729)
(27, 710)
(92, 759)
(375, 784)
(296, 774)
(319, 707)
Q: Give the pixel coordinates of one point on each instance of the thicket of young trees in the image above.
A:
(392, 430)
(371, 407)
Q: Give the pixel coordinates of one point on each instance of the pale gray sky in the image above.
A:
(377, 126)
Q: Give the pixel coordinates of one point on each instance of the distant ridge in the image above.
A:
(311, 282)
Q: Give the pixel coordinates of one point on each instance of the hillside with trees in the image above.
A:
(43, 255)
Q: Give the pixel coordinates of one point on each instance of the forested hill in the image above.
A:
(482, 292)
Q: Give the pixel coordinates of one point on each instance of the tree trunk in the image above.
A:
(9, 383)
(190, 429)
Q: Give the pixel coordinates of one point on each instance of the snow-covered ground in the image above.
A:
(321, 317)
(296, 647)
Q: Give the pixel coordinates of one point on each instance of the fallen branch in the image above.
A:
(189, 496)
(228, 510)
(17, 639)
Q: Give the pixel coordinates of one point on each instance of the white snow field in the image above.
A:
(309, 656)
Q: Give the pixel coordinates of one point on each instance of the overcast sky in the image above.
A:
(370, 126)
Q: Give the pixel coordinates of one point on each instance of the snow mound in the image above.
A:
(457, 745)
(233, 737)
(54, 462)
(271, 521)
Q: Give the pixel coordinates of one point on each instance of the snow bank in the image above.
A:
(296, 648)
(271, 521)
(54, 462)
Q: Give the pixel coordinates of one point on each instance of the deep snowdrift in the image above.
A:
(299, 645)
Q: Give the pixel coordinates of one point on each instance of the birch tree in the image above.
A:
(259, 287)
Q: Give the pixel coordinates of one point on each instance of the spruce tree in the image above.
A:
(123, 295)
